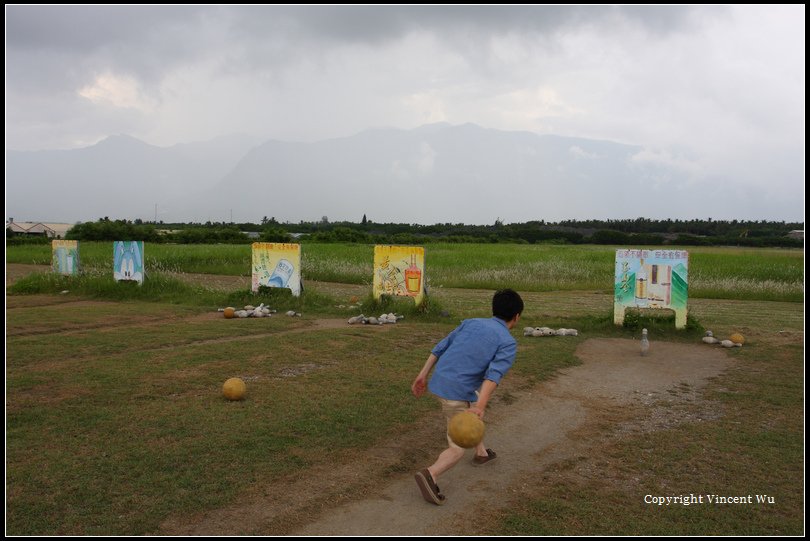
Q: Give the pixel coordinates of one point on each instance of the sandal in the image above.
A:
(430, 491)
(481, 460)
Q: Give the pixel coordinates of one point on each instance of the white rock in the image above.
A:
(710, 340)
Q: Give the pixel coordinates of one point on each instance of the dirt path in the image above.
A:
(540, 428)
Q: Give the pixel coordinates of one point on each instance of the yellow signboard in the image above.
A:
(276, 265)
(399, 271)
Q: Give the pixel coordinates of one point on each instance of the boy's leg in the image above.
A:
(450, 456)
(480, 449)
(447, 459)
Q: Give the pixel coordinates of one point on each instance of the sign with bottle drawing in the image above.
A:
(276, 265)
(656, 279)
(399, 271)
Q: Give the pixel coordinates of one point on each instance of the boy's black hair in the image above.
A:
(506, 303)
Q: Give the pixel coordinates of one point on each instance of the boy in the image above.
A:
(471, 362)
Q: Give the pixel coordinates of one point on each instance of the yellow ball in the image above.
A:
(466, 429)
(737, 338)
(228, 312)
(234, 389)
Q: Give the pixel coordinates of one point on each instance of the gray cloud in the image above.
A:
(723, 85)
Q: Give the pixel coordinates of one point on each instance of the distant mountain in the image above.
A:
(432, 174)
(119, 177)
(441, 173)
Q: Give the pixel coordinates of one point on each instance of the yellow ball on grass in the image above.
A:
(737, 338)
(466, 429)
(234, 389)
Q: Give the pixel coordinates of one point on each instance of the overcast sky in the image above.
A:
(718, 91)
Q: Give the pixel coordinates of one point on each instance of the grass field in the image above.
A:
(115, 420)
(728, 273)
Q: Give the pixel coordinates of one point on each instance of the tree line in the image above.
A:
(639, 231)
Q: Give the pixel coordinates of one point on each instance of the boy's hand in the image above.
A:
(478, 411)
(419, 385)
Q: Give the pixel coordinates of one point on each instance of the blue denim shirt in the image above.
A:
(476, 350)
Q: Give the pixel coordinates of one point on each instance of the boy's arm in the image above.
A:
(487, 388)
(499, 366)
(420, 383)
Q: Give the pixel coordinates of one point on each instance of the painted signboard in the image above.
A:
(656, 279)
(65, 258)
(276, 265)
(128, 260)
(399, 271)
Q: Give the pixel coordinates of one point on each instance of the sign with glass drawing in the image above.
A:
(399, 270)
(65, 257)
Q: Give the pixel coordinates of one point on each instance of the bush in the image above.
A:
(275, 234)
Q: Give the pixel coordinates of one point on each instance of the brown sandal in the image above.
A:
(481, 460)
(430, 491)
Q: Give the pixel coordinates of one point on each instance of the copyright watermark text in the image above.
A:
(708, 499)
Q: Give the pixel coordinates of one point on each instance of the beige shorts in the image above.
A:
(450, 408)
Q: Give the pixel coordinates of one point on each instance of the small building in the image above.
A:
(796, 234)
(40, 229)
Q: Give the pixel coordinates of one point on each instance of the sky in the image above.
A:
(716, 91)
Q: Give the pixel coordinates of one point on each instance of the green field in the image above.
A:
(115, 423)
(726, 273)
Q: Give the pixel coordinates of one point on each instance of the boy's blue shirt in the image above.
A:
(476, 350)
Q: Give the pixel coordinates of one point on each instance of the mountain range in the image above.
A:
(436, 173)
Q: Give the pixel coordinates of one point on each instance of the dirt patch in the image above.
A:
(15, 271)
(375, 494)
